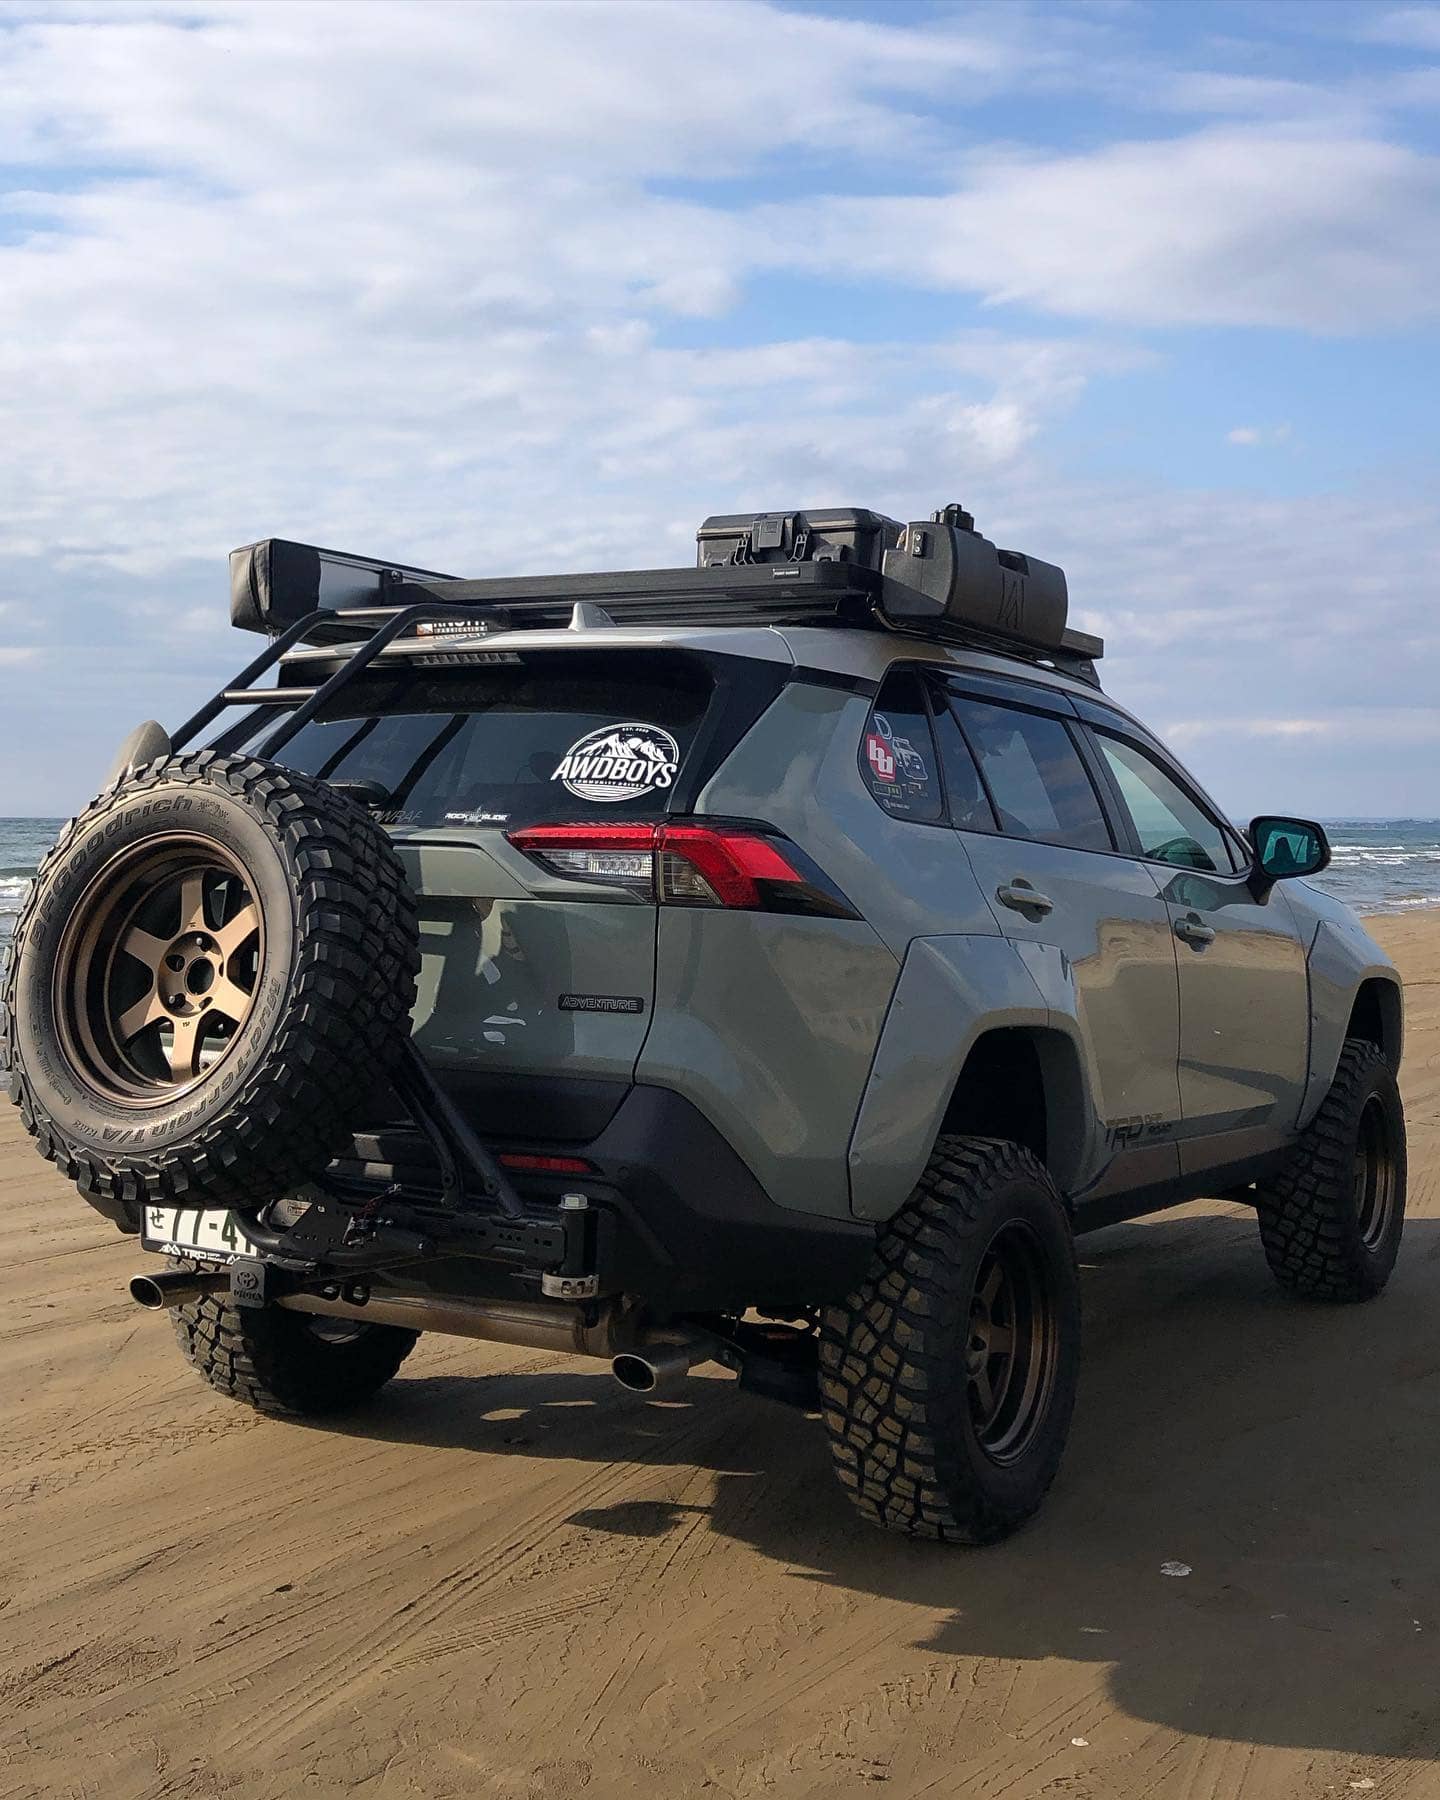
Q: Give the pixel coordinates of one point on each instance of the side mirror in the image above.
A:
(1285, 848)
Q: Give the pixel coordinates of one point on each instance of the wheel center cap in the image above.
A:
(189, 969)
(977, 1346)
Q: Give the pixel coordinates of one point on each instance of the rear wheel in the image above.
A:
(288, 1364)
(1331, 1221)
(948, 1378)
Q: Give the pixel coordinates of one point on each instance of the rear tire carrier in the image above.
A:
(211, 978)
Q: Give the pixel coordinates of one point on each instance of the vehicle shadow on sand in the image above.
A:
(1286, 1453)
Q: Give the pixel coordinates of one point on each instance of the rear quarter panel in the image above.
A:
(768, 1024)
(949, 990)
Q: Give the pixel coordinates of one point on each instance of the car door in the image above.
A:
(1244, 999)
(1086, 914)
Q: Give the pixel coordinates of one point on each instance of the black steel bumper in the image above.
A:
(675, 1216)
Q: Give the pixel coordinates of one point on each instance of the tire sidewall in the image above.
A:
(1013, 1488)
(80, 1113)
(1378, 1083)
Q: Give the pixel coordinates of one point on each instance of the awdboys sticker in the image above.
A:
(619, 762)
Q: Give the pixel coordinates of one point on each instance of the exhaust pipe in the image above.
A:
(656, 1370)
(533, 1325)
(177, 1287)
(652, 1363)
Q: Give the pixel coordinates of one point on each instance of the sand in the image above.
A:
(508, 1578)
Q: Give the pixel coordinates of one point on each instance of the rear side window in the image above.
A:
(569, 737)
(1036, 778)
(964, 791)
(897, 752)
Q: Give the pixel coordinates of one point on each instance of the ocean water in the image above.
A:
(1384, 865)
(22, 843)
(1380, 865)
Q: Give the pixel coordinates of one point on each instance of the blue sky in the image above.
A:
(1154, 289)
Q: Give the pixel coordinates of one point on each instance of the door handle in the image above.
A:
(1019, 895)
(1195, 931)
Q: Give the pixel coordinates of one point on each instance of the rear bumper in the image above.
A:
(681, 1222)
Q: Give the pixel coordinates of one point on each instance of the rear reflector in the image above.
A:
(546, 1165)
(688, 865)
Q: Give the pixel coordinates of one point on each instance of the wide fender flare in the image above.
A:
(1342, 959)
(951, 991)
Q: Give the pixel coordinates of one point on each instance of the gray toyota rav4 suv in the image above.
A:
(773, 963)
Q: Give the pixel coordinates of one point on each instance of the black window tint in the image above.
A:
(1171, 827)
(964, 791)
(1035, 775)
(897, 753)
(571, 737)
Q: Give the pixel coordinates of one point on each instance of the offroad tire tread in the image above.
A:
(878, 1378)
(267, 1358)
(352, 989)
(1306, 1212)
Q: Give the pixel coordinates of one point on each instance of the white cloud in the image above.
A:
(422, 287)
(1411, 27)
(1221, 227)
(1254, 436)
(1364, 727)
(1190, 731)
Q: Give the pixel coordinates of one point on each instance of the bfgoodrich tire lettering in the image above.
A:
(1331, 1221)
(933, 1433)
(324, 1018)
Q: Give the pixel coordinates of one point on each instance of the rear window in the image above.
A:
(568, 737)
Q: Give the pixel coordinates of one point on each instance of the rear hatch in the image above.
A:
(538, 957)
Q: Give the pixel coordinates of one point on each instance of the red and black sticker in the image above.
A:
(901, 778)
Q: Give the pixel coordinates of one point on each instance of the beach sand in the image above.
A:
(507, 1578)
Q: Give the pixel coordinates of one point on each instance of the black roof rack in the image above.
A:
(837, 568)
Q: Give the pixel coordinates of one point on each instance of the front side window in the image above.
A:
(1035, 776)
(897, 752)
(1171, 827)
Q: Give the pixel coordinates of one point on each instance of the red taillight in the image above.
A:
(686, 865)
(731, 864)
(546, 1165)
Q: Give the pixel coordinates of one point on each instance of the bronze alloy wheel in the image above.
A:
(1011, 1349)
(212, 976)
(158, 969)
(1377, 1185)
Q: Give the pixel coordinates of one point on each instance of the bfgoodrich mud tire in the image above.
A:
(1331, 1221)
(213, 972)
(947, 1379)
(288, 1364)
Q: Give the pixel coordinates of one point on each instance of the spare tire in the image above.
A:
(211, 977)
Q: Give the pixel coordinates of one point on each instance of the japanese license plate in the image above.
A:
(195, 1231)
